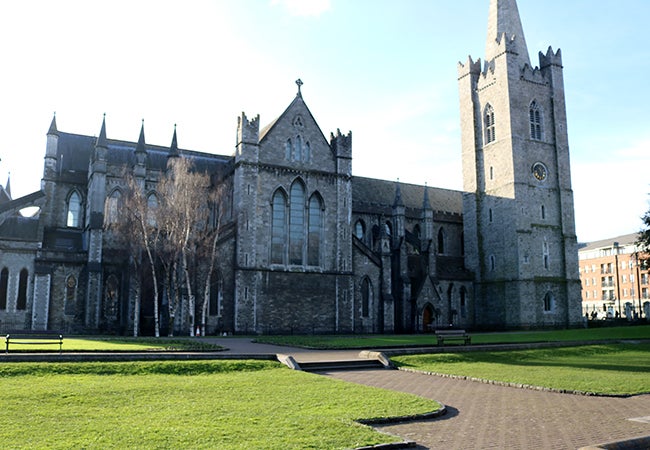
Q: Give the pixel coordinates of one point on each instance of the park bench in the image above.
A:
(453, 335)
(33, 337)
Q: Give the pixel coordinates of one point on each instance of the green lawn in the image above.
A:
(120, 344)
(613, 369)
(386, 341)
(225, 404)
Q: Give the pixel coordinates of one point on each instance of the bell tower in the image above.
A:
(518, 204)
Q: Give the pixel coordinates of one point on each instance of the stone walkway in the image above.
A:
(487, 416)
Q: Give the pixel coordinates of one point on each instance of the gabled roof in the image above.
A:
(297, 102)
(626, 239)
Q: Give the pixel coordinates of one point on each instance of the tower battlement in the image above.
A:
(551, 58)
(248, 131)
(470, 67)
(341, 143)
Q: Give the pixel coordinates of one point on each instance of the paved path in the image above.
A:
(486, 416)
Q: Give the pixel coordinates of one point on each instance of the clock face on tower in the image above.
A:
(539, 171)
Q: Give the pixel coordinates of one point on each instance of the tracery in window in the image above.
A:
(315, 229)
(111, 298)
(279, 228)
(535, 118)
(490, 128)
(296, 223)
(74, 210)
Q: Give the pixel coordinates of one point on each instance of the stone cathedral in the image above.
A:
(306, 246)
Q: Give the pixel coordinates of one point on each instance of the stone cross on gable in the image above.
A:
(299, 83)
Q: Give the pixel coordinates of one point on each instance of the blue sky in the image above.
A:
(384, 69)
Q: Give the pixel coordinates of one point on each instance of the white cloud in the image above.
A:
(304, 7)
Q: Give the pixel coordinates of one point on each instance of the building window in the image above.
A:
(74, 210)
(70, 294)
(366, 294)
(113, 207)
(545, 255)
(535, 115)
(490, 215)
(216, 293)
(493, 263)
(296, 223)
(111, 298)
(548, 302)
(21, 301)
(441, 241)
(491, 173)
(279, 228)
(543, 212)
(360, 229)
(288, 150)
(315, 227)
(463, 302)
(4, 284)
(298, 149)
(307, 152)
(490, 131)
(152, 208)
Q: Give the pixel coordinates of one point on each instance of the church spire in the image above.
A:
(53, 130)
(504, 21)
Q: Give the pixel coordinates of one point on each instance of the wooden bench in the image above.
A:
(453, 335)
(33, 337)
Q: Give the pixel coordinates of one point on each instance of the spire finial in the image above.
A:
(299, 83)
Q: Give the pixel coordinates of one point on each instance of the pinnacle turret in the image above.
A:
(53, 130)
(173, 148)
(140, 147)
(101, 139)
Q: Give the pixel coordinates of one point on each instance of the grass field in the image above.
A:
(120, 344)
(233, 405)
(387, 341)
(614, 369)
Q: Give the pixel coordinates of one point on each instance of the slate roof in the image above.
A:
(373, 195)
(626, 239)
(75, 151)
(19, 228)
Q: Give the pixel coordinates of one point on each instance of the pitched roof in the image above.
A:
(370, 194)
(626, 239)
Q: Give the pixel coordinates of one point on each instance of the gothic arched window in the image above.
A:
(441, 241)
(366, 297)
(70, 294)
(21, 301)
(278, 228)
(535, 118)
(288, 150)
(315, 230)
(296, 223)
(298, 149)
(307, 152)
(152, 208)
(490, 128)
(113, 206)
(74, 210)
(111, 298)
(216, 293)
(360, 229)
(548, 302)
(4, 284)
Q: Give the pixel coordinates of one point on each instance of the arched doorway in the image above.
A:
(428, 318)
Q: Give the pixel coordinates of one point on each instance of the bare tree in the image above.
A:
(138, 226)
(210, 239)
(184, 192)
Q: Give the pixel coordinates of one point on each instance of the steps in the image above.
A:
(366, 360)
